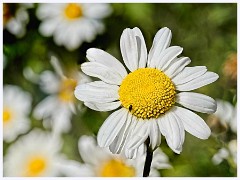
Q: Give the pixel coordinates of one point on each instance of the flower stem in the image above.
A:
(148, 161)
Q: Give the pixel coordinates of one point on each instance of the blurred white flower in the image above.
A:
(232, 146)
(15, 18)
(220, 155)
(147, 98)
(33, 155)
(16, 109)
(100, 162)
(226, 113)
(71, 24)
(56, 110)
(224, 153)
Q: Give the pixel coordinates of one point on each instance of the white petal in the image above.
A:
(142, 49)
(49, 82)
(160, 160)
(108, 106)
(15, 127)
(188, 74)
(111, 127)
(45, 107)
(102, 72)
(96, 10)
(197, 102)
(177, 66)
(225, 111)
(70, 37)
(48, 26)
(129, 49)
(47, 10)
(131, 154)
(193, 123)
(172, 128)
(120, 140)
(71, 168)
(161, 41)
(61, 119)
(57, 66)
(198, 82)
(139, 134)
(154, 134)
(90, 152)
(100, 56)
(97, 91)
(168, 56)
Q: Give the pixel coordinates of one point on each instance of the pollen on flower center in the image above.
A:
(147, 93)
(116, 168)
(7, 115)
(36, 166)
(66, 93)
(73, 11)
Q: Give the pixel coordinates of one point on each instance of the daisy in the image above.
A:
(57, 109)
(16, 109)
(226, 113)
(228, 153)
(15, 18)
(100, 162)
(33, 155)
(71, 24)
(147, 98)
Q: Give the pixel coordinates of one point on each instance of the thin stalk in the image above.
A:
(148, 161)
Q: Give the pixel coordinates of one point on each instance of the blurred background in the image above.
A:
(207, 32)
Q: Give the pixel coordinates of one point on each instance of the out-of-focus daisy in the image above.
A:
(147, 97)
(35, 154)
(226, 114)
(229, 152)
(232, 146)
(16, 108)
(56, 110)
(100, 162)
(71, 24)
(15, 18)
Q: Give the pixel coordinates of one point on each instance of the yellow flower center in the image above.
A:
(116, 168)
(147, 93)
(66, 93)
(7, 115)
(73, 11)
(36, 166)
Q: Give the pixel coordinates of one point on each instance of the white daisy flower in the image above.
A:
(147, 98)
(100, 162)
(57, 109)
(16, 109)
(226, 113)
(33, 155)
(232, 146)
(71, 24)
(15, 18)
(225, 153)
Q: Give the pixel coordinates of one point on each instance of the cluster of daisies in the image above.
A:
(38, 153)
(69, 24)
(148, 94)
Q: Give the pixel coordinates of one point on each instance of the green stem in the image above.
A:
(148, 161)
